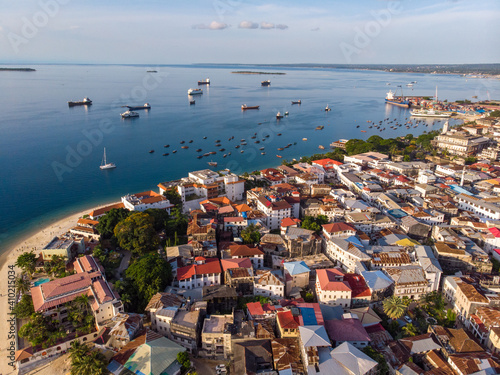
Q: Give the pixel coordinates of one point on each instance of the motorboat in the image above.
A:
(129, 114)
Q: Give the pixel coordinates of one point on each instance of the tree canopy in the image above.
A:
(183, 359)
(27, 262)
(137, 233)
(41, 330)
(84, 361)
(108, 222)
(150, 274)
(24, 308)
(251, 234)
(173, 196)
(314, 223)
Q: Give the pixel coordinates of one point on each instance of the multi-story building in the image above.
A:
(461, 143)
(51, 298)
(216, 336)
(66, 246)
(331, 289)
(409, 281)
(204, 272)
(345, 253)
(185, 328)
(162, 308)
(429, 263)
(205, 184)
(145, 200)
(479, 206)
(253, 253)
(269, 284)
(275, 209)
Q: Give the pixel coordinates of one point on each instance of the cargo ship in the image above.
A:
(204, 82)
(395, 100)
(85, 101)
(132, 108)
(245, 107)
(266, 83)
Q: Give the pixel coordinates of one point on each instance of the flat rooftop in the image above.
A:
(215, 324)
(58, 243)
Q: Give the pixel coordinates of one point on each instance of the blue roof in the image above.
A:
(397, 213)
(331, 312)
(295, 268)
(308, 316)
(355, 241)
(460, 190)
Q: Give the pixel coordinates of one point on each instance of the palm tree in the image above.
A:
(77, 349)
(394, 307)
(23, 285)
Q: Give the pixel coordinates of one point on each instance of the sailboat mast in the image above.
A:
(104, 155)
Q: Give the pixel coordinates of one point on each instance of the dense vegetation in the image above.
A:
(314, 223)
(85, 361)
(251, 234)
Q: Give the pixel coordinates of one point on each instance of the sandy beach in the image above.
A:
(33, 242)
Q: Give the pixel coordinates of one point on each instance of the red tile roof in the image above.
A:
(211, 265)
(244, 251)
(327, 280)
(255, 308)
(286, 320)
(235, 263)
(358, 285)
(338, 227)
(289, 221)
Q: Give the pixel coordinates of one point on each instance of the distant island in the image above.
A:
(250, 72)
(18, 69)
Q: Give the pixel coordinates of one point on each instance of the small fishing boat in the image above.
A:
(279, 156)
(185, 147)
(198, 150)
(191, 102)
(205, 81)
(212, 163)
(151, 151)
(327, 109)
(304, 139)
(319, 127)
(296, 101)
(182, 142)
(321, 147)
(166, 154)
(166, 146)
(279, 115)
(266, 83)
(363, 131)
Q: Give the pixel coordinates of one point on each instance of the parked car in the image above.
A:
(220, 367)
(408, 319)
(221, 372)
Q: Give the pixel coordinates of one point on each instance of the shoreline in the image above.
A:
(32, 241)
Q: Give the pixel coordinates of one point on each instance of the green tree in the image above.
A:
(85, 362)
(150, 274)
(173, 196)
(183, 359)
(23, 284)
(24, 308)
(57, 266)
(251, 234)
(394, 307)
(108, 221)
(137, 234)
(383, 368)
(409, 330)
(27, 262)
(160, 218)
(80, 315)
(41, 330)
(314, 223)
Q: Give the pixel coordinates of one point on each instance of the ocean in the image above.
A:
(50, 153)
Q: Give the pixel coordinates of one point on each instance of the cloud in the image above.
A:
(213, 26)
(248, 25)
(266, 25)
(315, 29)
(281, 27)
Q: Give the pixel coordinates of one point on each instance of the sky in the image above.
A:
(250, 32)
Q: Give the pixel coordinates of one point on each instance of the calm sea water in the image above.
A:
(50, 153)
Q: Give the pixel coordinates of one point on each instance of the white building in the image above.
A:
(205, 272)
(347, 254)
(331, 289)
(269, 284)
(145, 200)
(432, 269)
(478, 206)
(275, 209)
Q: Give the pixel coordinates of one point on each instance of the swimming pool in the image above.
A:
(41, 281)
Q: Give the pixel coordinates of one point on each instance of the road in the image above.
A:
(124, 263)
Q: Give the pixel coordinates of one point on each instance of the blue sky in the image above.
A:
(253, 31)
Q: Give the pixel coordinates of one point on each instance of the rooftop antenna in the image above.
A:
(463, 176)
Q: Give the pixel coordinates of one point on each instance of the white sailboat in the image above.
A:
(104, 164)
